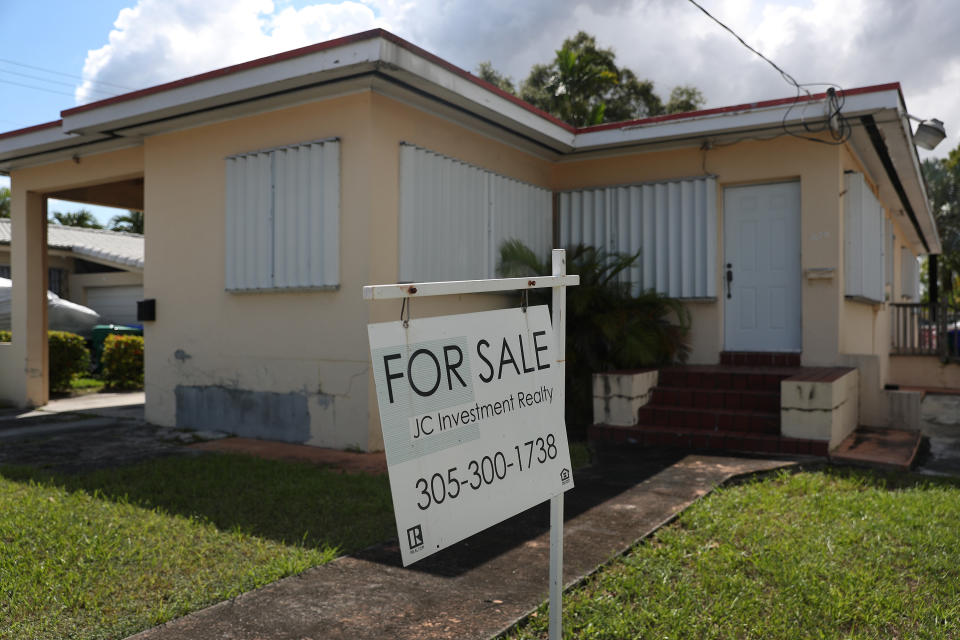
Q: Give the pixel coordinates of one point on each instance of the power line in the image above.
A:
(786, 76)
(30, 86)
(836, 123)
(60, 82)
(66, 75)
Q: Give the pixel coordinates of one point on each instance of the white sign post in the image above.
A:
(472, 411)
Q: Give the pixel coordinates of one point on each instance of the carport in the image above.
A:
(96, 170)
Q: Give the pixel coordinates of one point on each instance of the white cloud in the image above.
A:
(162, 40)
(851, 43)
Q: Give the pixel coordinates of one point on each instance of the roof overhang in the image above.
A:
(379, 61)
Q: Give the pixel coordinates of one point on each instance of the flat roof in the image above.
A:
(381, 61)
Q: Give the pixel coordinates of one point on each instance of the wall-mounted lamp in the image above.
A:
(929, 133)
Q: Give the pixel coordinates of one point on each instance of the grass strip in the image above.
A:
(832, 554)
(109, 553)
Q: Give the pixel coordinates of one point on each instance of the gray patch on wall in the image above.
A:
(252, 414)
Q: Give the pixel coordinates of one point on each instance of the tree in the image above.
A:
(943, 189)
(4, 202)
(584, 86)
(79, 218)
(130, 222)
(485, 71)
(608, 325)
(685, 98)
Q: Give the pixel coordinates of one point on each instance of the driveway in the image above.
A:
(940, 423)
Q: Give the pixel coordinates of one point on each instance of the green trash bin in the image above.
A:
(100, 333)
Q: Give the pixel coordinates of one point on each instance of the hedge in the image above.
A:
(122, 362)
(68, 357)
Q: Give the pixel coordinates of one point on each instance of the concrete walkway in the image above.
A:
(478, 587)
(86, 412)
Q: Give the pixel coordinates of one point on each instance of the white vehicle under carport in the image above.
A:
(62, 315)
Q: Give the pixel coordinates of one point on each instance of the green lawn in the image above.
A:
(834, 554)
(86, 385)
(106, 554)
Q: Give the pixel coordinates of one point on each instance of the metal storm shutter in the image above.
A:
(863, 230)
(909, 276)
(454, 217)
(283, 217)
(673, 225)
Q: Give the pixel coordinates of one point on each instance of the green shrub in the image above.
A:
(122, 362)
(4, 336)
(609, 325)
(68, 357)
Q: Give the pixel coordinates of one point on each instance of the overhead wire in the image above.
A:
(30, 86)
(50, 81)
(65, 75)
(835, 123)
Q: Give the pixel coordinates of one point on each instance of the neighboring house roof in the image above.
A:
(378, 60)
(125, 250)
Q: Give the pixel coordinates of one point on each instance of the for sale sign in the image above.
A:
(472, 413)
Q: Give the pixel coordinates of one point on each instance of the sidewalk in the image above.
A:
(479, 587)
(86, 412)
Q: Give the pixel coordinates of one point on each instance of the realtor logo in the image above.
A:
(415, 537)
(565, 476)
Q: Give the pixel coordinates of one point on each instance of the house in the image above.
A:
(277, 188)
(97, 268)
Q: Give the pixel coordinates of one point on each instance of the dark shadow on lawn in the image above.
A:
(293, 503)
(303, 504)
(595, 485)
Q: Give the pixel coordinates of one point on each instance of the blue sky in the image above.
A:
(70, 52)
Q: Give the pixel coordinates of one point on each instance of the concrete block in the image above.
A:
(617, 396)
(905, 409)
(820, 410)
(812, 425)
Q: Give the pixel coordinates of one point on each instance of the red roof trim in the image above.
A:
(303, 51)
(31, 129)
(216, 73)
(735, 108)
(475, 80)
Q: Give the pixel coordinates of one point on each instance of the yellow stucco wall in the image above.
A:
(314, 343)
(311, 343)
(751, 162)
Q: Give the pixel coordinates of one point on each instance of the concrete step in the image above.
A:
(746, 421)
(879, 448)
(729, 399)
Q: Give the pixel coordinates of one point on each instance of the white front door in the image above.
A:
(762, 267)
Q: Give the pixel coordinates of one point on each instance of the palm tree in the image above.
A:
(609, 327)
(79, 218)
(130, 222)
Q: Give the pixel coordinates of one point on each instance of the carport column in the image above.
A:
(28, 270)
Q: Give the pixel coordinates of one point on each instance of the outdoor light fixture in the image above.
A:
(929, 132)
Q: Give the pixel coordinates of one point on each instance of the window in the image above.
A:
(454, 217)
(864, 244)
(672, 224)
(283, 218)
(5, 271)
(57, 281)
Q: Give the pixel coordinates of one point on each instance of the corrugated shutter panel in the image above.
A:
(283, 218)
(863, 240)
(909, 276)
(454, 217)
(889, 245)
(673, 225)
